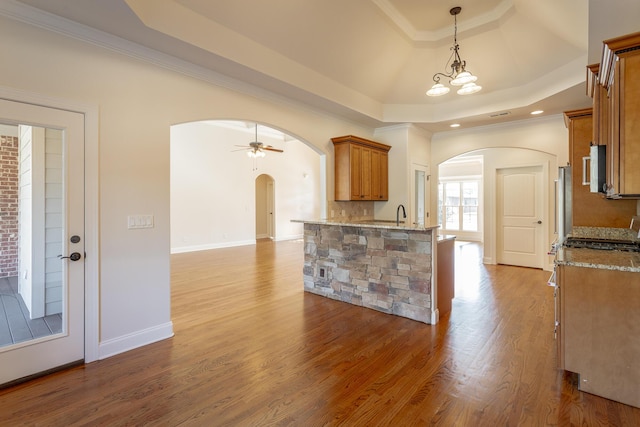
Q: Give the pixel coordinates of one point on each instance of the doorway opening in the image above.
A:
(460, 201)
(419, 214)
(222, 184)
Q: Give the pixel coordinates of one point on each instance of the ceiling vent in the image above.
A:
(504, 113)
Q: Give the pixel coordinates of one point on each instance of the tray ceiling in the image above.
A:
(369, 60)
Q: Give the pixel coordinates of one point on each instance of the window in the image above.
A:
(458, 205)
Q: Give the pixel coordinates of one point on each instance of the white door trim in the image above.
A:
(91, 207)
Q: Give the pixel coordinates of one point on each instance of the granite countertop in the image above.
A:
(370, 224)
(444, 237)
(598, 258)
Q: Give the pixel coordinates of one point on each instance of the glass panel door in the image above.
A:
(41, 239)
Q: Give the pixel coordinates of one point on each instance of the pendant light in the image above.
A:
(458, 76)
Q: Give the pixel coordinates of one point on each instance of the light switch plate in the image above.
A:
(139, 221)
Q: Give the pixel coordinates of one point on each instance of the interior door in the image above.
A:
(271, 206)
(50, 240)
(519, 217)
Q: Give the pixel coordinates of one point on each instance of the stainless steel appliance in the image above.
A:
(564, 223)
(597, 177)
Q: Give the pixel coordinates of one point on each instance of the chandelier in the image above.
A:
(458, 76)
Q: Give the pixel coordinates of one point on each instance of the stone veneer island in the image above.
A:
(378, 265)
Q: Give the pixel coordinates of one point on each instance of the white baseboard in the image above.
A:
(435, 316)
(137, 339)
(290, 237)
(184, 249)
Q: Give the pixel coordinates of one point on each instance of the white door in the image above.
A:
(271, 205)
(519, 217)
(51, 239)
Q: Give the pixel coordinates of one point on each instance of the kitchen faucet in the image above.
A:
(404, 214)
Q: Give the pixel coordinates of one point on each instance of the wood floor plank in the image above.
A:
(252, 349)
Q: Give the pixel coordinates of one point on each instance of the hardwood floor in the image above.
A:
(252, 349)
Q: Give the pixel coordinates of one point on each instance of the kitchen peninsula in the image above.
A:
(375, 264)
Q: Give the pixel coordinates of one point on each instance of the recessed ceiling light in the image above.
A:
(534, 113)
(455, 125)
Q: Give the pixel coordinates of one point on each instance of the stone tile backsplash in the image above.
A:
(350, 211)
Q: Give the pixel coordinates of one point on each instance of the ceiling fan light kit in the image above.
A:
(255, 153)
(458, 76)
(256, 149)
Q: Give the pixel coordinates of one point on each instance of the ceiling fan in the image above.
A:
(257, 149)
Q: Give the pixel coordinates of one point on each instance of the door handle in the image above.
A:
(537, 222)
(75, 256)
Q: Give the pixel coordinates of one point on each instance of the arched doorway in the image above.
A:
(265, 207)
(214, 184)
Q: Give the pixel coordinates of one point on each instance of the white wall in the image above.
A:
(531, 142)
(410, 145)
(213, 187)
(31, 220)
(138, 103)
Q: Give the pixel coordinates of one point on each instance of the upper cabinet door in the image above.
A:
(361, 169)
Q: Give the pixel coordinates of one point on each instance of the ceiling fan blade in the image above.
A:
(269, 148)
(243, 146)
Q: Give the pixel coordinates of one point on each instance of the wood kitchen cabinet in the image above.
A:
(361, 169)
(379, 175)
(591, 209)
(599, 323)
(617, 103)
